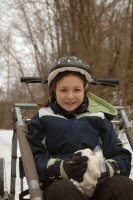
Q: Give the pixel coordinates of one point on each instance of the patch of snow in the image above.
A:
(5, 152)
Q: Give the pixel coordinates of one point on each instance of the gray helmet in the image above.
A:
(70, 63)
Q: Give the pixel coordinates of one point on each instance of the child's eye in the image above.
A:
(63, 90)
(77, 90)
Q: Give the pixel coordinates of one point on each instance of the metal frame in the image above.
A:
(126, 124)
(19, 134)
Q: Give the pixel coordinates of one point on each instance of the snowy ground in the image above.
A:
(5, 152)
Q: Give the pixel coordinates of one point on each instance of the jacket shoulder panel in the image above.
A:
(88, 114)
(48, 112)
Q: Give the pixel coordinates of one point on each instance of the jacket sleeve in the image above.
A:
(36, 136)
(117, 158)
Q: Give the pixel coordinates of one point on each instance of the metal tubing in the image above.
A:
(128, 127)
(27, 158)
(13, 165)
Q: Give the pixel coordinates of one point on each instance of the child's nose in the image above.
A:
(70, 94)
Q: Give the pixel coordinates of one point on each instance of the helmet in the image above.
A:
(71, 63)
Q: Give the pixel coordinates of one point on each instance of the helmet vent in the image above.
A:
(68, 60)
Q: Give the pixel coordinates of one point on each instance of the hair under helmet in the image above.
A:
(70, 63)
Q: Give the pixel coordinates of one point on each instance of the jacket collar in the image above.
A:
(59, 110)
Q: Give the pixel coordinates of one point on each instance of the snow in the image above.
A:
(5, 152)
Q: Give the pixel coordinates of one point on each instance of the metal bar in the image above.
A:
(27, 158)
(13, 161)
(22, 184)
(128, 127)
(26, 105)
(117, 122)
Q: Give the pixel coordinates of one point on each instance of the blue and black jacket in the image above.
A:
(54, 133)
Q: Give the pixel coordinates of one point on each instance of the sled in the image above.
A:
(118, 116)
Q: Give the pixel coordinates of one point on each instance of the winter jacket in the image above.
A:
(53, 133)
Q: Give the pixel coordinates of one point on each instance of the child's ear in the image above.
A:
(86, 87)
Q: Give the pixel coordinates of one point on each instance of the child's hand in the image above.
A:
(73, 166)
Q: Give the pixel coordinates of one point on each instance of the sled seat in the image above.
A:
(117, 115)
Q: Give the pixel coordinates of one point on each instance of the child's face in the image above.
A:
(70, 92)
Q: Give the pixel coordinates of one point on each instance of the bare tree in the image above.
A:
(129, 77)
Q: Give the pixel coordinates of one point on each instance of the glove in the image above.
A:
(112, 169)
(74, 166)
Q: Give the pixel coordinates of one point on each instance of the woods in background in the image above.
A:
(100, 32)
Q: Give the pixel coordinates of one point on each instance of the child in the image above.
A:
(65, 126)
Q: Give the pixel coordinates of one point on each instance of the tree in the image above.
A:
(129, 77)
